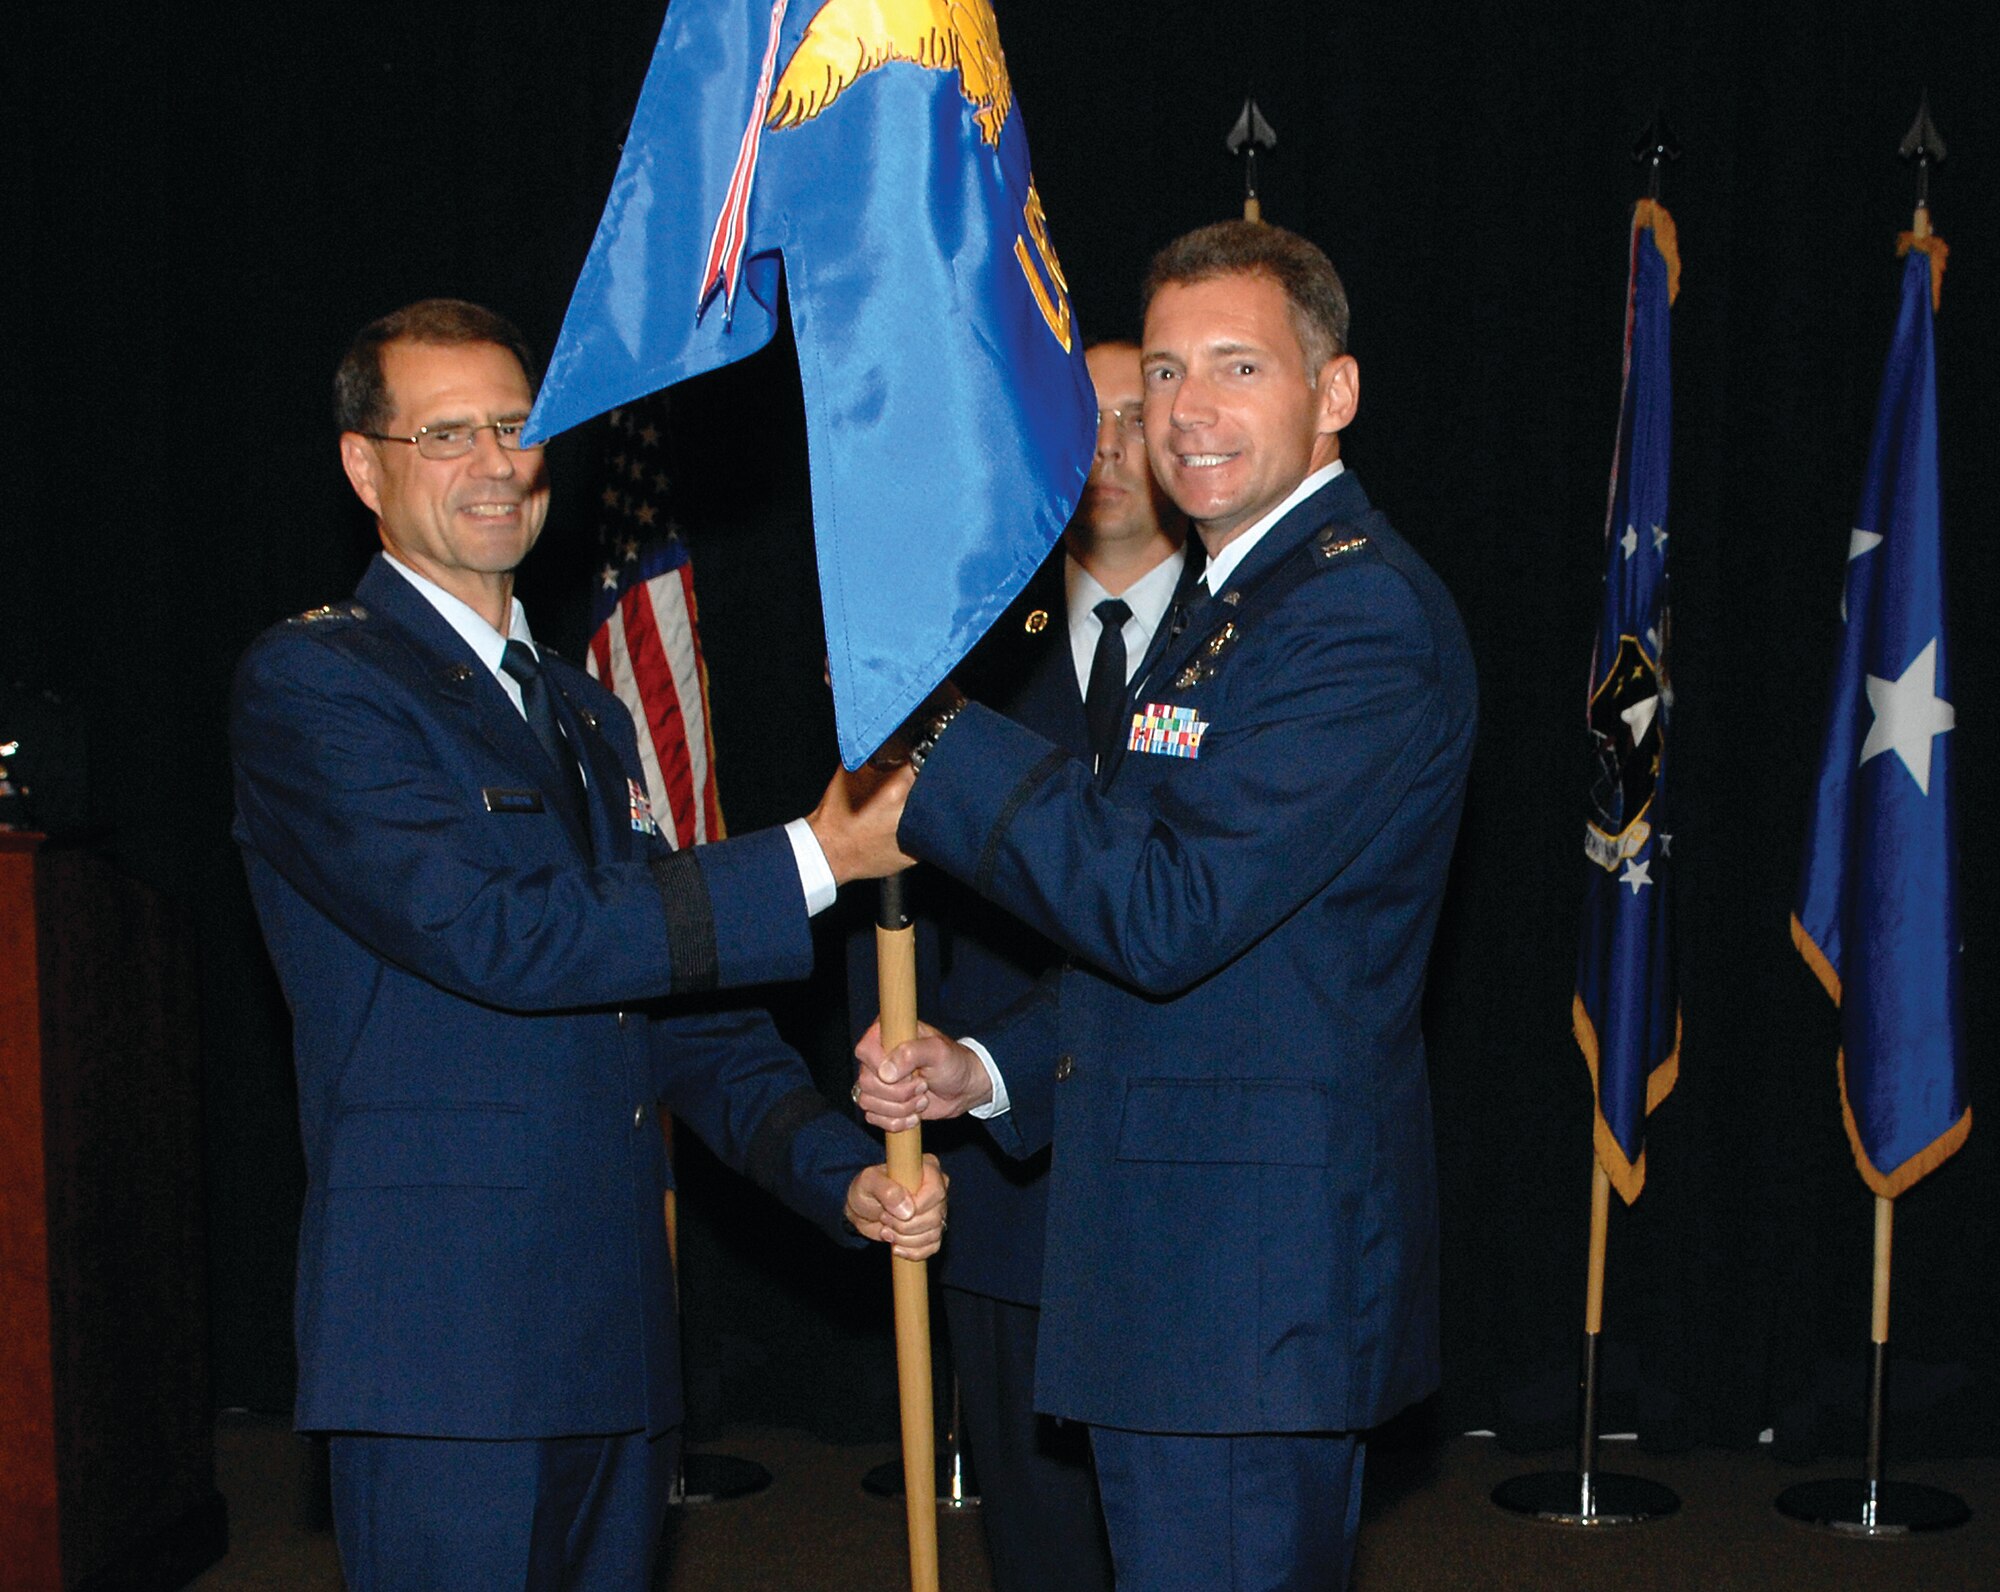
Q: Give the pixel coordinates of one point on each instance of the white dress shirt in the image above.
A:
(1148, 597)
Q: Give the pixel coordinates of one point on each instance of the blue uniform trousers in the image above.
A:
(448, 1514)
(1262, 1512)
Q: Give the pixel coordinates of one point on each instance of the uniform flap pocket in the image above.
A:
(469, 1146)
(1256, 1122)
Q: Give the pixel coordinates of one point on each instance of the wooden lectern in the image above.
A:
(107, 1456)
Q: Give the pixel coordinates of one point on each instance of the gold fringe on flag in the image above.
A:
(1628, 1177)
(1941, 1149)
(1651, 213)
(1935, 247)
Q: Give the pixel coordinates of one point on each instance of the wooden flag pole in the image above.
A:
(896, 961)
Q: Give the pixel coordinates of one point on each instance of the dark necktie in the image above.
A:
(1104, 696)
(520, 662)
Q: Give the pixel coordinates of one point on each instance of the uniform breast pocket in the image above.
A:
(470, 1146)
(1243, 1122)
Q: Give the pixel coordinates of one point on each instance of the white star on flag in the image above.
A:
(1909, 714)
(1637, 874)
(1639, 717)
(1630, 540)
(1659, 538)
(1858, 542)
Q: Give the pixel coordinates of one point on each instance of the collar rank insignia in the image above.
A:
(1166, 730)
(643, 821)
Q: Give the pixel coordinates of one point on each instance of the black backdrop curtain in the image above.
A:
(206, 208)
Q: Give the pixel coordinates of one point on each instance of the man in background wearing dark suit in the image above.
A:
(1241, 1273)
(496, 965)
(1058, 662)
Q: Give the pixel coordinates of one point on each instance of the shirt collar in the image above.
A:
(1147, 597)
(471, 625)
(1224, 563)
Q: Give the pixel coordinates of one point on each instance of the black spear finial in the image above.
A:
(1250, 133)
(1656, 147)
(1923, 145)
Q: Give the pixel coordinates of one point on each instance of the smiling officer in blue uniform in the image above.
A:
(493, 962)
(1241, 1272)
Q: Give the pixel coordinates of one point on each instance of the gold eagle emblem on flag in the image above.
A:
(847, 39)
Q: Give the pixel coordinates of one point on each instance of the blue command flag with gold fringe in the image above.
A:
(874, 146)
(1878, 908)
(1625, 1014)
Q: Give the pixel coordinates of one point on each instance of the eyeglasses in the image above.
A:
(1129, 423)
(455, 442)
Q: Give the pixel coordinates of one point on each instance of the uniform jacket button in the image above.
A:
(624, 1018)
(638, 1116)
(1065, 1065)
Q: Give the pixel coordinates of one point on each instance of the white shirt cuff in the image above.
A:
(999, 1105)
(815, 877)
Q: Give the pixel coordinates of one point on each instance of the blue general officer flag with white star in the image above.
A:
(1878, 908)
(1625, 1014)
(874, 147)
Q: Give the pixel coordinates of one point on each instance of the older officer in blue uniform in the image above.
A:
(1242, 1250)
(492, 960)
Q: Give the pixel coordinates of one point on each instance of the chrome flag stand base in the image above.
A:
(1868, 1506)
(1572, 1498)
(1586, 1496)
(1858, 1508)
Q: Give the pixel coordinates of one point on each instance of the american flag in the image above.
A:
(644, 643)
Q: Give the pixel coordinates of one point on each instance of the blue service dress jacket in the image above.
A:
(487, 1008)
(1242, 1229)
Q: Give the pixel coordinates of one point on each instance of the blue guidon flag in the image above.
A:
(1878, 907)
(871, 152)
(1625, 1014)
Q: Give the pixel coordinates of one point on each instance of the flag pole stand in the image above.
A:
(1869, 1505)
(1588, 1496)
(896, 959)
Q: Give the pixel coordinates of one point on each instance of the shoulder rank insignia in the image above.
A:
(1166, 730)
(1036, 622)
(1332, 546)
(314, 616)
